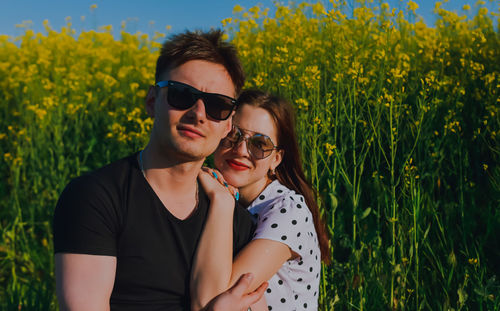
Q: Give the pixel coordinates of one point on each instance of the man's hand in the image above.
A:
(235, 299)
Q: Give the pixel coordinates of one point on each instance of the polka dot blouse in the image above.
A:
(282, 215)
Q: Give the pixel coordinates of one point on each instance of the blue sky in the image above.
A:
(148, 16)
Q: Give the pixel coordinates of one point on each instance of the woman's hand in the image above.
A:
(215, 186)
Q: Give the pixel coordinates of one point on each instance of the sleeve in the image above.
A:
(289, 221)
(85, 219)
(243, 228)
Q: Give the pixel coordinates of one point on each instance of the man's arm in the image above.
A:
(85, 224)
(235, 297)
(84, 282)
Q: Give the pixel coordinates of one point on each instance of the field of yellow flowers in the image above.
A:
(398, 125)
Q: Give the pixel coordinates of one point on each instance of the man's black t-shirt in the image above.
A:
(113, 211)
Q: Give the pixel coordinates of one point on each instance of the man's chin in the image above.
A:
(192, 154)
(190, 150)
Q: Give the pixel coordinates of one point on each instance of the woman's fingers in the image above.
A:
(218, 176)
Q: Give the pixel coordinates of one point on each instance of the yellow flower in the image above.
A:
(318, 9)
(330, 148)
(7, 157)
(466, 7)
(255, 11)
(282, 49)
(18, 161)
(226, 21)
(412, 6)
(258, 81)
(134, 86)
(302, 103)
(472, 261)
(237, 9)
(141, 93)
(93, 7)
(483, 11)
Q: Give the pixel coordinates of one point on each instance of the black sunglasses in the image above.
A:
(259, 146)
(183, 96)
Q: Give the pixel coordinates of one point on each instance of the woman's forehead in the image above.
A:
(255, 119)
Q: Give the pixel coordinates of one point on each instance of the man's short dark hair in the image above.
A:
(198, 45)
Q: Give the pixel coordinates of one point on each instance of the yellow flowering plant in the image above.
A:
(397, 122)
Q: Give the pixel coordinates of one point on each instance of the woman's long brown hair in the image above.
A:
(289, 172)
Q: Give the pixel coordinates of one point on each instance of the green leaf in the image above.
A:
(366, 212)
(462, 296)
(334, 201)
(426, 232)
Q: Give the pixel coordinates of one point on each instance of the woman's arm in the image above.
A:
(261, 257)
(214, 270)
(213, 259)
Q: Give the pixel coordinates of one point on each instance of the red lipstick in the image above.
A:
(236, 165)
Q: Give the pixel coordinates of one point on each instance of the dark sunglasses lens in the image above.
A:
(218, 107)
(180, 97)
(260, 146)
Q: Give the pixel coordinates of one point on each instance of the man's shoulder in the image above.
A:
(107, 179)
(116, 168)
(89, 213)
(108, 173)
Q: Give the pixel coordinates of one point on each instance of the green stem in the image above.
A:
(393, 204)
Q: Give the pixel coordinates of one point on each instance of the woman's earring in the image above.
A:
(273, 172)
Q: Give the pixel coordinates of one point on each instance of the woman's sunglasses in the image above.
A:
(259, 146)
(183, 96)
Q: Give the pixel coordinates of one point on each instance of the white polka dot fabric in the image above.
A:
(282, 215)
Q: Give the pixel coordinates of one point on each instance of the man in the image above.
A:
(125, 235)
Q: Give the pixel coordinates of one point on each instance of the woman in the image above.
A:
(260, 157)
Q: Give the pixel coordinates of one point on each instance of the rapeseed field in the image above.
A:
(397, 121)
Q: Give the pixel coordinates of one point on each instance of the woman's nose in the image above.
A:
(241, 147)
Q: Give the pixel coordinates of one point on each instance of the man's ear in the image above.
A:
(229, 124)
(150, 101)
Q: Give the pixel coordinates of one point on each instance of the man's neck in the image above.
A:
(173, 181)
